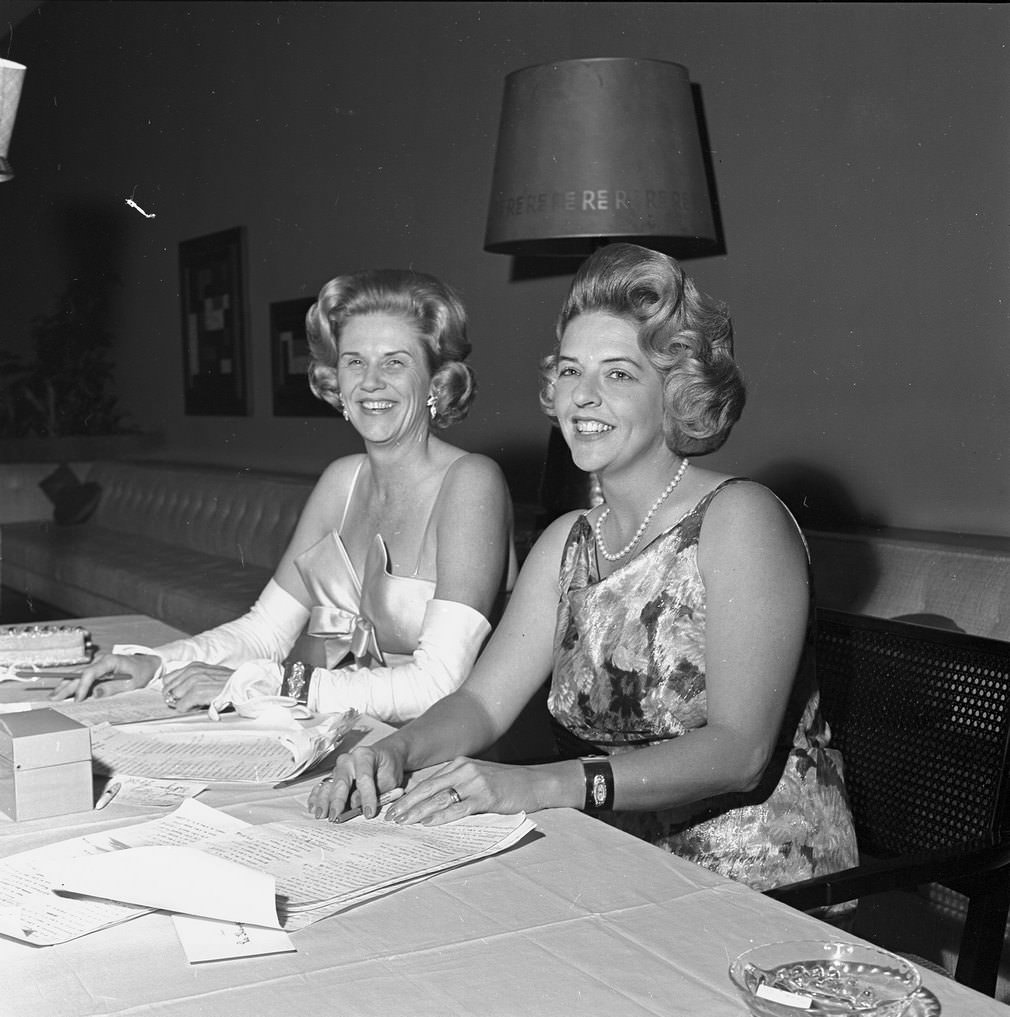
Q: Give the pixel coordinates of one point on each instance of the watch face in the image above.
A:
(599, 790)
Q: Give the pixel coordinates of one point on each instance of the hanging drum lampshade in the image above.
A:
(596, 150)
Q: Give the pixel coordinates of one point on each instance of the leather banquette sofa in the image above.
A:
(192, 546)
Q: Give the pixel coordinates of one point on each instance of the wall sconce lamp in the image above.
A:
(597, 150)
(11, 78)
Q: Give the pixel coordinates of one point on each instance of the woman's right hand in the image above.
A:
(130, 671)
(358, 778)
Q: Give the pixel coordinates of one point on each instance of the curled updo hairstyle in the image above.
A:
(685, 335)
(425, 303)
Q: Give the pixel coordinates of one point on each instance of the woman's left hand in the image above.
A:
(196, 684)
(466, 787)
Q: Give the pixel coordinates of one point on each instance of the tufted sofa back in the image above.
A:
(961, 580)
(231, 512)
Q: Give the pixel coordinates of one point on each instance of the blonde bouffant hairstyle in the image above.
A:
(685, 335)
(426, 303)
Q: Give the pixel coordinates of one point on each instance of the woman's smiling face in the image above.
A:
(384, 377)
(608, 397)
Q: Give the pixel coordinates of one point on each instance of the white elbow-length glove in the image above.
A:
(267, 631)
(451, 637)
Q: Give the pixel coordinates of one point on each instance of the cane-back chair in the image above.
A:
(922, 717)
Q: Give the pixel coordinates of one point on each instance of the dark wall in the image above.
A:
(860, 155)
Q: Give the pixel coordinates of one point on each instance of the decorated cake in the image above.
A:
(43, 645)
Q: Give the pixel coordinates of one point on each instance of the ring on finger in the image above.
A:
(326, 780)
(171, 698)
(454, 796)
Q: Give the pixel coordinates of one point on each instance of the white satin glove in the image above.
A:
(254, 691)
(452, 635)
(267, 631)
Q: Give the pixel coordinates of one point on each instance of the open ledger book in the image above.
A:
(200, 861)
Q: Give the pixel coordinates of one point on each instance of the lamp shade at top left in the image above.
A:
(12, 77)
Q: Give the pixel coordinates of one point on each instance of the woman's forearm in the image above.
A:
(451, 637)
(695, 767)
(267, 631)
(457, 725)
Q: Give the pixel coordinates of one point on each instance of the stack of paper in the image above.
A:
(198, 861)
(245, 752)
(32, 912)
(322, 868)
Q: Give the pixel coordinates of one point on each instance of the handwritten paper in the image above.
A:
(148, 791)
(130, 707)
(199, 861)
(174, 878)
(29, 909)
(323, 868)
(124, 708)
(204, 939)
(214, 751)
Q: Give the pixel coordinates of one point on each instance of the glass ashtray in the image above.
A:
(819, 977)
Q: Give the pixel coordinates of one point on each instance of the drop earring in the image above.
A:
(342, 407)
(432, 405)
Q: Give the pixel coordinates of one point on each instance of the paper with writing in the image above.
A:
(30, 911)
(204, 939)
(323, 868)
(174, 878)
(318, 863)
(124, 708)
(211, 751)
(231, 870)
(148, 791)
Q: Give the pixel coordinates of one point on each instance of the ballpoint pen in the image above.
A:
(384, 799)
(107, 795)
(62, 675)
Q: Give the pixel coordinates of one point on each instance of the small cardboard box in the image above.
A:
(45, 765)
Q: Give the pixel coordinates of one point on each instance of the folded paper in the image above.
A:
(184, 880)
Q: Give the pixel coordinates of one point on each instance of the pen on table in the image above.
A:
(384, 799)
(62, 675)
(107, 795)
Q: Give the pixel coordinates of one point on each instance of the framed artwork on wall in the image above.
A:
(212, 288)
(290, 352)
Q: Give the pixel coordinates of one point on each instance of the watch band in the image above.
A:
(295, 684)
(599, 777)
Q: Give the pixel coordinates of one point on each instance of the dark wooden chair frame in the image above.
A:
(922, 717)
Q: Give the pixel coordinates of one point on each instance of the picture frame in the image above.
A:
(289, 348)
(212, 291)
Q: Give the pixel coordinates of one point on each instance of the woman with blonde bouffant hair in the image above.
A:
(402, 552)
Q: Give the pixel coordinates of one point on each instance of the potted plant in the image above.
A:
(59, 405)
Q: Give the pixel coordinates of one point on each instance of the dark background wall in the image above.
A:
(860, 155)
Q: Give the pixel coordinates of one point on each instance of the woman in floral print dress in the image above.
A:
(677, 636)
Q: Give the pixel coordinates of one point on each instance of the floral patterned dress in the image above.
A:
(629, 671)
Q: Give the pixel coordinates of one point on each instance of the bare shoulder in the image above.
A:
(550, 545)
(472, 468)
(747, 517)
(476, 483)
(339, 475)
(329, 495)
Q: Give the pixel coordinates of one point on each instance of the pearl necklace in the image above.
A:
(629, 547)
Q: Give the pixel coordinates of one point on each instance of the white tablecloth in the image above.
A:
(579, 919)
